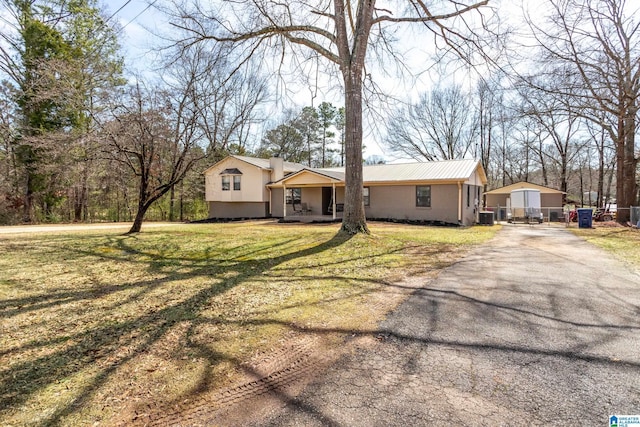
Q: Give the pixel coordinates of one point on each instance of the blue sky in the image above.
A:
(138, 21)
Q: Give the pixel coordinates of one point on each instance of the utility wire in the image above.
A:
(138, 15)
(116, 12)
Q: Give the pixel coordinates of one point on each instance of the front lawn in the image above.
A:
(96, 324)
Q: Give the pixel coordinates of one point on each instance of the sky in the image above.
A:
(140, 21)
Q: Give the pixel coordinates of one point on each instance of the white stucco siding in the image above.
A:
(252, 183)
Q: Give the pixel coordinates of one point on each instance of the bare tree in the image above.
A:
(440, 126)
(557, 128)
(224, 104)
(225, 100)
(606, 160)
(155, 136)
(598, 43)
(338, 32)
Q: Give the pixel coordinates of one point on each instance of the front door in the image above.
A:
(326, 200)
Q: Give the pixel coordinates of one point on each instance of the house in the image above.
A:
(431, 192)
(551, 200)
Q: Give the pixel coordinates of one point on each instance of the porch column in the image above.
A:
(460, 202)
(333, 199)
(284, 201)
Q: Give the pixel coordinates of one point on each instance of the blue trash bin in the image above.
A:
(585, 218)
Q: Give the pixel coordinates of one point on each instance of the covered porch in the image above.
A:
(309, 196)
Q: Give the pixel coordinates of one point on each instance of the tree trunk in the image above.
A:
(630, 163)
(182, 200)
(143, 203)
(172, 194)
(82, 195)
(28, 199)
(626, 167)
(352, 65)
(137, 222)
(353, 219)
(601, 166)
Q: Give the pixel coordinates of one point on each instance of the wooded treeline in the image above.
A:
(81, 140)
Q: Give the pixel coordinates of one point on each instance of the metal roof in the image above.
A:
(334, 173)
(442, 170)
(523, 184)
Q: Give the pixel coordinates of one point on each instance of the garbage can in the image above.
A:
(585, 218)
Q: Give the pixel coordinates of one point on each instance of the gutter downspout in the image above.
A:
(459, 202)
(270, 202)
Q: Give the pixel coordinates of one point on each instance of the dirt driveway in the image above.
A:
(535, 328)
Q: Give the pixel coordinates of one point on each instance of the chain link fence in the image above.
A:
(635, 215)
(556, 214)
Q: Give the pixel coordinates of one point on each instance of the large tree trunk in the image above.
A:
(630, 166)
(352, 66)
(353, 219)
(626, 168)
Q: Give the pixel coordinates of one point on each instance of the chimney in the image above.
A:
(277, 168)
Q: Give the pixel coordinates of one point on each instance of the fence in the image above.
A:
(556, 214)
(635, 215)
(550, 214)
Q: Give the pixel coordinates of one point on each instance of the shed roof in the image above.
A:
(523, 184)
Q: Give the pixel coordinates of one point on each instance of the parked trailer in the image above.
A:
(524, 205)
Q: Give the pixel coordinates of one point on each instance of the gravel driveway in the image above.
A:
(536, 327)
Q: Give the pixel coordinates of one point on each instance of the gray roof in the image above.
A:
(265, 164)
(443, 170)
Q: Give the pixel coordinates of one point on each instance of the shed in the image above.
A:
(551, 200)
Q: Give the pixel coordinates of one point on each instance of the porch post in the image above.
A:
(459, 202)
(284, 201)
(333, 199)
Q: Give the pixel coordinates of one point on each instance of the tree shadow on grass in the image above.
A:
(410, 342)
(100, 346)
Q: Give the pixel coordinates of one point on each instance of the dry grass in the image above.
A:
(94, 325)
(623, 242)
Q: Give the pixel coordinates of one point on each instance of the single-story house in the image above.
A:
(431, 192)
(551, 200)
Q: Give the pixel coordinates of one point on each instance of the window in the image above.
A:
(226, 183)
(226, 179)
(423, 196)
(468, 195)
(294, 196)
(365, 195)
